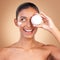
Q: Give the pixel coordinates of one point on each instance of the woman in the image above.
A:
(27, 48)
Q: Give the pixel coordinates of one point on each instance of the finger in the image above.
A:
(45, 17)
(43, 14)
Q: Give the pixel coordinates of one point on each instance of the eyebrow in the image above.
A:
(23, 17)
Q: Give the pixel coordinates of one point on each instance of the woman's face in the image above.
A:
(26, 28)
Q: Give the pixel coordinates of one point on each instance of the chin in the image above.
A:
(29, 36)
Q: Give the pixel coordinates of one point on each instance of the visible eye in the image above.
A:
(23, 19)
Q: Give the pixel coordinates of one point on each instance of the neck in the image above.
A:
(26, 43)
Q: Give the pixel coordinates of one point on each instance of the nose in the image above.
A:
(29, 24)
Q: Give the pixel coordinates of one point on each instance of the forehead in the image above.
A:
(28, 12)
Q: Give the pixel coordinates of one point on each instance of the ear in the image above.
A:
(16, 22)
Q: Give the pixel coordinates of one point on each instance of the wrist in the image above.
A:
(54, 30)
(56, 33)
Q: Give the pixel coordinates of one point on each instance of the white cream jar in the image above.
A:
(36, 19)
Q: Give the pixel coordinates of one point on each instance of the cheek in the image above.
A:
(21, 27)
(21, 24)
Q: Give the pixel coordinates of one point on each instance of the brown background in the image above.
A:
(9, 33)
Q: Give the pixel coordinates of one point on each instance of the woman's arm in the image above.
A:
(49, 26)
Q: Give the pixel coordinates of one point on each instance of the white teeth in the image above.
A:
(28, 30)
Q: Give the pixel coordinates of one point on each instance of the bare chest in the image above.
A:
(27, 55)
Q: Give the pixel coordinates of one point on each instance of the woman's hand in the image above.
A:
(47, 22)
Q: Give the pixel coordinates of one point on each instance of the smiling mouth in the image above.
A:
(28, 30)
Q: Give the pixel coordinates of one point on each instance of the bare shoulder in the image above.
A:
(54, 51)
(42, 47)
(52, 48)
(48, 47)
(3, 52)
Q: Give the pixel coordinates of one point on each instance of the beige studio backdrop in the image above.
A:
(9, 33)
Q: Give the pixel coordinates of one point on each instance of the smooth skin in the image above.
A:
(27, 48)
